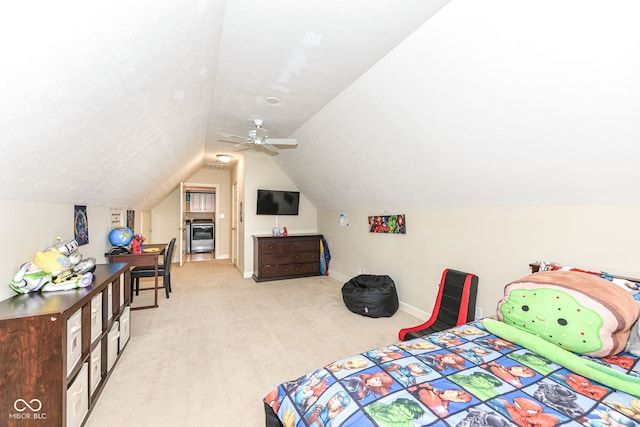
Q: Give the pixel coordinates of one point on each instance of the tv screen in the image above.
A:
(275, 202)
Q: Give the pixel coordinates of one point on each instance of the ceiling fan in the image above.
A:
(259, 138)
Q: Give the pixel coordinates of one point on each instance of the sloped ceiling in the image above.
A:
(398, 104)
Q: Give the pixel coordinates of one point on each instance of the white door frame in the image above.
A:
(216, 188)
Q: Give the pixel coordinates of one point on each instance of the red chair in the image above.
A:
(455, 305)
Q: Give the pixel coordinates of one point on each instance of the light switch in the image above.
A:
(221, 216)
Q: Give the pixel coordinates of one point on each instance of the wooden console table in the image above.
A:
(286, 257)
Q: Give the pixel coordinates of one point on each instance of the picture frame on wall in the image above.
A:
(116, 218)
(388, 224)
(80, 225)
(131, 219)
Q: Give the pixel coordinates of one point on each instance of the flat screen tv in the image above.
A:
(275, 202)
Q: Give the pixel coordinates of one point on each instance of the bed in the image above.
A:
(470, 376)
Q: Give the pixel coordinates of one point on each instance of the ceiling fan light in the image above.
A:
(224, 158)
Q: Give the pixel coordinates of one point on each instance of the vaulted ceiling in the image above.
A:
(413, 103)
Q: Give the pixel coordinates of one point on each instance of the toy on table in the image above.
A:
(137, 244)
(58, 268)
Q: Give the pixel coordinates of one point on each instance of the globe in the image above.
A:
(120, 236)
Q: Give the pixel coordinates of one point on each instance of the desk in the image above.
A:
(144, 258)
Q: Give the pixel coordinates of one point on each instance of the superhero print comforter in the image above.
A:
(464, 376)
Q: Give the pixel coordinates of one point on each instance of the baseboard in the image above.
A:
(414, 311)
(407, 308)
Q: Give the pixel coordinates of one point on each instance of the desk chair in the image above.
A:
(164, 271)
(455, 305)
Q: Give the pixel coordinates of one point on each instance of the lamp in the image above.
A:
(224, 158)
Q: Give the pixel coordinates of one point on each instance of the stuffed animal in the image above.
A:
(576, 311)
(57, 268)
(562, 314)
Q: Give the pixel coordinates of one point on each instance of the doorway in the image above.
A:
(199, 207)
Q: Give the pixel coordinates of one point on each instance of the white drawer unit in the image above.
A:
(78, 398)
(110, 301)
(125, 330)
(112, 345)
(95, 367)
(74, 340)
(96, 316)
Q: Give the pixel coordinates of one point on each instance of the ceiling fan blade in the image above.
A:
(268, 147)
(235, 139)
(283, 142)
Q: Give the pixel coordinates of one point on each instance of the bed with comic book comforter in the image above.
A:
(485, 373)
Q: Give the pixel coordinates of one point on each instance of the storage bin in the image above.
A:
(125, 327)
(110, 301)
(78, 398)
(112, 346)
(95, 367)
(96, 316)
(74, 340)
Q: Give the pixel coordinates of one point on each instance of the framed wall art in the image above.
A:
(389, 224)
(80, 225)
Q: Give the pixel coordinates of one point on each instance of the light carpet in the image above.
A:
(209, 354)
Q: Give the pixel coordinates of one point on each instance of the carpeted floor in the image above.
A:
(208, 355)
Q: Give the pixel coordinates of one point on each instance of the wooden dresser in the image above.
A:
(286, 257)
(57, 349)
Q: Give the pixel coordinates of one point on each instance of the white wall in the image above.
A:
(262, 173)
(496, 243)
(166, 215)
(29, 227)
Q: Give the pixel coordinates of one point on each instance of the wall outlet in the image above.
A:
(479, 313)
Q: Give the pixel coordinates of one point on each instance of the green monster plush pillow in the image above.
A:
(575, 311)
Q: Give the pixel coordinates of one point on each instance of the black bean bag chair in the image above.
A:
(371, 295)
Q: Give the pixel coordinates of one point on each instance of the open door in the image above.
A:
(183, 227)
(234, 224)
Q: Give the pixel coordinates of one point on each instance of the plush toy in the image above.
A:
(58, 268)
(560, 313)
(576, 311)
(52, 261)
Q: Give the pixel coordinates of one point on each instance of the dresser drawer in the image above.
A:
(277, 247)
(305, 268)
(275, 259)
(306, 257)
(276, 270)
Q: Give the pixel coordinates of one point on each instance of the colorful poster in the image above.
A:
(390, 224)
(80, 225)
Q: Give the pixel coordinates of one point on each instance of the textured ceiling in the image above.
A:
(394, 103)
